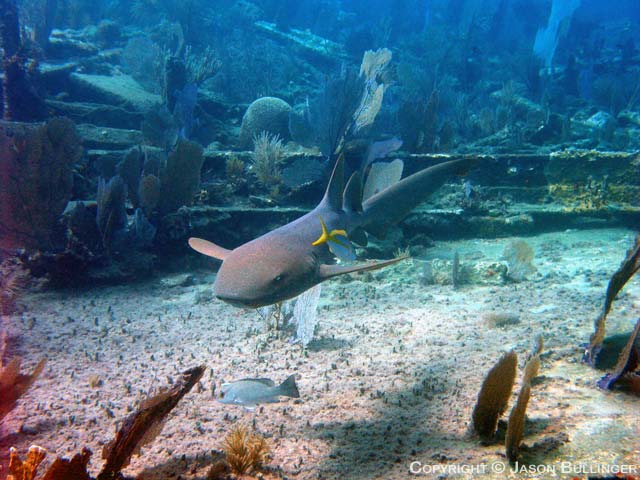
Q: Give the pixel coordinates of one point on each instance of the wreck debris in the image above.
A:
(494, 396)
(141, 427)
(627, 269)
(627, 370)
(13, 384)
(27, 470)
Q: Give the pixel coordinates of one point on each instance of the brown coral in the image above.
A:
(517, 417)
(494, 395)
(36, 179)
(245, 452)
(149, 193)
(13, 384)
(629, 267)
(13, 278)
(27, 470)
(141, 427)
(627, 369)
(515, 427)
(180, 176)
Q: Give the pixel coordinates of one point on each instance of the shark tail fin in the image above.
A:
(392, 204)
(288, 388)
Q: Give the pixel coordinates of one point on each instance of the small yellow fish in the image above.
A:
(337, 241)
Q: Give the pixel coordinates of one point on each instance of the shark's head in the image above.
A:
(264, 272)
(258, 274)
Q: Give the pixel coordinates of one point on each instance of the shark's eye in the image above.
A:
(278, 279)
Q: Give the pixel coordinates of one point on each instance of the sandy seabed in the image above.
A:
(390, 379)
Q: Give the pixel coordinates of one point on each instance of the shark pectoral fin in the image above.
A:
(329, 271)
(207, 248)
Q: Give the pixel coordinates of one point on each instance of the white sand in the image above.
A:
(391, 379)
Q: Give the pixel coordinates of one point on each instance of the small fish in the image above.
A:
(337, 241)
(253, 391)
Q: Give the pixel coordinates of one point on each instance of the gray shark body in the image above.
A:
(283, 263)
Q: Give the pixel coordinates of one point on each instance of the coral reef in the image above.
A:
(494, 396)
(266, 114)
(36, 180)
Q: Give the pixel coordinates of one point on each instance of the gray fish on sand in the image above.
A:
(253, 391)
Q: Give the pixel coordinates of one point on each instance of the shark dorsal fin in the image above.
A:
(208, 248)
(352, 198)
(333, 195)
(329, 271)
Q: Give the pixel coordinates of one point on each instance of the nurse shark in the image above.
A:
(289, 260)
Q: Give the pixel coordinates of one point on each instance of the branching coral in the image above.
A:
(201, 66)
(245, 452)
(267, 156)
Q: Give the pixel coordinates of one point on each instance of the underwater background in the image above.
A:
(503, 341)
